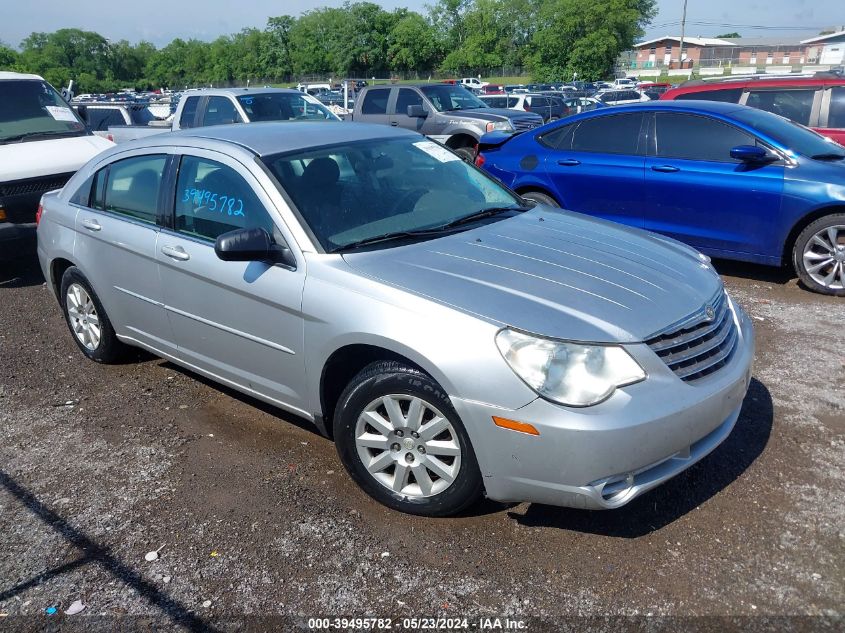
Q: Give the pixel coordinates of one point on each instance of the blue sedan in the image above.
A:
(732, 181)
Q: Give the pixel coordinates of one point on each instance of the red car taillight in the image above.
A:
(38, 214)
(480, 160)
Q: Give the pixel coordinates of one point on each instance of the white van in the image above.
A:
(42, 143)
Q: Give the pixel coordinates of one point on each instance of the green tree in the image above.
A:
(585, 37)
(413, 44)
(8, 57)
(734, 34)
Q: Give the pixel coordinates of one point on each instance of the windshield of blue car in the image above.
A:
(284, 106)
(448, 98)
(792, 136)
(360, 190)
(31, 109)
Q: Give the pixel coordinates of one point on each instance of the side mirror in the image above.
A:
(252, 245)
(750, 154)
(417, 112)
(82, 111)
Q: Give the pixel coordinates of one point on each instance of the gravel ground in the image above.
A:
(257, 525)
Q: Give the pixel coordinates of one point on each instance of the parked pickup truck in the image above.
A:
(103, 117)
(42, 144)
(447, 113)
(231, 105)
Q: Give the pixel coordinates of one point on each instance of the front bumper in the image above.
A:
(604, 456)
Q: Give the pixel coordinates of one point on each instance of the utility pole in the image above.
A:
(683, 24)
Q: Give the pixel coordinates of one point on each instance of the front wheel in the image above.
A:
(540, 198)
(819, 255)
(466, 153)
(402, 441)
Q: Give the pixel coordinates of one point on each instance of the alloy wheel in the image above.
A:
(83, 317)
(408, 446)
(824, 257)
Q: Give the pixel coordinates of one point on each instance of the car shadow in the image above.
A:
(681, 494)
(94, 552)
(264, 407)
(20, 273)
(779, 275)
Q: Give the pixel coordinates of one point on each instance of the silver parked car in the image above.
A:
(452, 341)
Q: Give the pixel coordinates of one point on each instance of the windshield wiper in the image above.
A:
(20, 137)
(386, 237)
(828, 156)
(479, 215)
(436, 230)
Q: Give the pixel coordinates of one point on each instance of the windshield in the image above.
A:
(284, 106)
(356, 191)
(446, 98)
(794, 137)
(33, 108)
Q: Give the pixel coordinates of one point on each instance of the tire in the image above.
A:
(81, 307)
(466, 153)
(819, 255)
(540, 198)
(433, 473)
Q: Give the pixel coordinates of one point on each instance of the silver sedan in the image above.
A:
(453, 341)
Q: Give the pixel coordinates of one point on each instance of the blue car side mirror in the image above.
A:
(750, 154)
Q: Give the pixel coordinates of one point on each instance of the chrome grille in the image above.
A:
(521, 125)
(701, 345)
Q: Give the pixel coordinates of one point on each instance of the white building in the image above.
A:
(826, 49)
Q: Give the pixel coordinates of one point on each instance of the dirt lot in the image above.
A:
(255, 517)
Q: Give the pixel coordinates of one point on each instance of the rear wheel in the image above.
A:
(540, 198)
(87, 320)
(819, 255)
(402, 441)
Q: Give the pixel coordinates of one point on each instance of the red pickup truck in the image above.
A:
(817, 102)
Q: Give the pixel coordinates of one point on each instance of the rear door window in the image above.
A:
(795, 105)
(617, 134)
(836, 114)
(133, 187)
(375, 101)
(212, 199)
(731, 95)
(189, 112)
(559, 138)
(692, 137)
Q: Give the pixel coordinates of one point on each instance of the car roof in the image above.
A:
(7, 75)
(691, 106)
(274, 137)
(774, 82)
(237, 92)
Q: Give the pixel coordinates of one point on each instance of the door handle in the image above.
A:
(666, 169)
(568, 162)
(176, 252)
(394, 123)
(91, 224)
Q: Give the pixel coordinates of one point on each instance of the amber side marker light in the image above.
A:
(513, 425)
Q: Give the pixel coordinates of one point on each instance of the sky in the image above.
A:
(160, 22)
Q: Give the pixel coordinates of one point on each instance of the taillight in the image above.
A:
(110, 137)
(38, 213)
(480, 160)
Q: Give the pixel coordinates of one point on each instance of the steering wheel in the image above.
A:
(412, 196)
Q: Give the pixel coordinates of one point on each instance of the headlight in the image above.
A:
(573, 374)
(500, 126)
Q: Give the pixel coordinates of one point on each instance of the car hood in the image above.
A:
(32, 159)
(553, 273)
